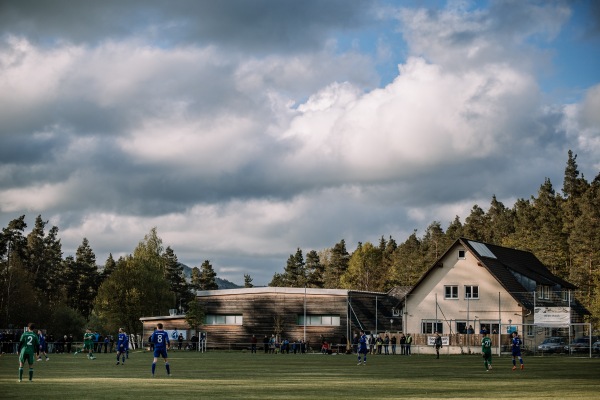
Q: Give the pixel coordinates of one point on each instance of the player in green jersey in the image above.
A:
(88, 343)
(28, 344)
(486, 350)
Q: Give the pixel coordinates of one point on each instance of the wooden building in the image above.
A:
(233, 316)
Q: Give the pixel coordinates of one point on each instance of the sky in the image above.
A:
(243, 130)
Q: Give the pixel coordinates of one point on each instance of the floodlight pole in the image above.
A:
(304, 314)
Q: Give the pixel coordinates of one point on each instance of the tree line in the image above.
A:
(64, 294)
(561, 229)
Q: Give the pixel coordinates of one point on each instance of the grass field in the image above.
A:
(235, 375)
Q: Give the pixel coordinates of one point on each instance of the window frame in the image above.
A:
(451, 292)
(224, 319)
(429, 326)
(319, 320)
(469, 292)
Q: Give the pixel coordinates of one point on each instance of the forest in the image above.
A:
(66, 294)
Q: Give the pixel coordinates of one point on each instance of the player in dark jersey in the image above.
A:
(362, 347)
(161, 342)
(516, 351)
(121, 345)
(43, 346)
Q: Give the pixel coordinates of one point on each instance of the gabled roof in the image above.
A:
(502, 263)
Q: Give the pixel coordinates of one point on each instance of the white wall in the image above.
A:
(421, 303)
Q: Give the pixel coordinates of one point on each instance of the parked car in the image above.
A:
(552, 344)
(596, 347)
(581, 345)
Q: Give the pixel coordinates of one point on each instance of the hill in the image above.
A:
(222, 283)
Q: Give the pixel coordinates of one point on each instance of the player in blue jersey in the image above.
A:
(516, 351)
(121, 345)
(161, 342)
(362, 347)
(43, 346)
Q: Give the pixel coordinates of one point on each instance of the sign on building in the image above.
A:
(558, 317)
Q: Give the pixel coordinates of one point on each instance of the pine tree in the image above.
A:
(85, 275)
(584, 243)
(293, 275)
(500, 222)
(337, 265)
(248, 281)
(409, 262)
(475, 224)
(455, 230)
(195, 282)
(314, 270)
(207, 277)
(175, 275)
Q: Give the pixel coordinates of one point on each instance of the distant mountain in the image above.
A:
(222, 283)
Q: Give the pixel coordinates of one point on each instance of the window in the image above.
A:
(530, 330)
(461, 327)
(431, 326)
(451, 292)
(471, 292)
(319, 320)
(461, 255)
(565, 295)
(492, 327)
(543, 292)
(215, 319)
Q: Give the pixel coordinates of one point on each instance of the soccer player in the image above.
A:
(161, 342)
(43, 346)
(28, 344)
(486, 350)
(362, 347)
(88, 343)
(121, 343)
(516, 351)
(437, 343)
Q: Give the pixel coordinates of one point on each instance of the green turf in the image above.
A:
(231, 375)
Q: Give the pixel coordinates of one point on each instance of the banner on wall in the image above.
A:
(559, 317)
(174, 334)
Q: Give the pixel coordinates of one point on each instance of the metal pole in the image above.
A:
(468, 331)
(499, 326)
(304, 314)
(376, 314)
(436, 315)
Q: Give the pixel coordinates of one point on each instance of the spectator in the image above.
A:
(69, 342)
(253, 341)
(266, 344)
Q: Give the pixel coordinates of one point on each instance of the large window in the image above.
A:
(543, 292)
(471, 292)
(461, 326)
(451, 292)
(217, 319)
(431, 326)
(320, 320)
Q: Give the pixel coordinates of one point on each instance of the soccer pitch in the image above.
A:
(242, 375)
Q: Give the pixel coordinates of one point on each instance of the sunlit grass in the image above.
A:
(231, 375)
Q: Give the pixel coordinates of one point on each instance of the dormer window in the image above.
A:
(543, 292)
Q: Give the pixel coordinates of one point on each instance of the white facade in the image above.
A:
(457, 293)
